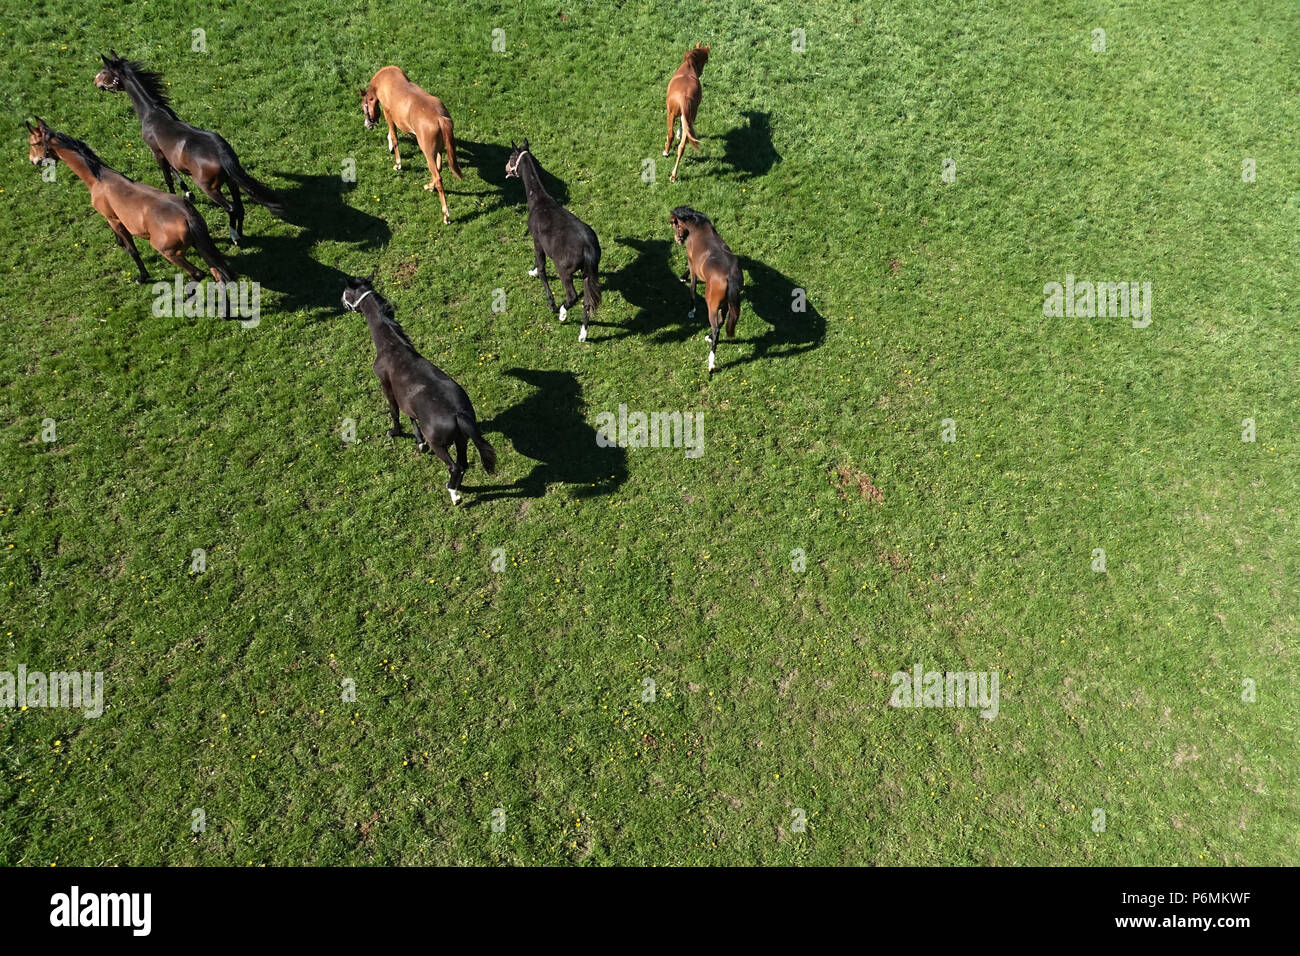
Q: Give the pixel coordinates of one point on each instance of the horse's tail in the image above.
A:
(486, 452)
(591, 280)
(445, 123)
(202, 241)
(686, 128)
(733, 302)
(254, 190)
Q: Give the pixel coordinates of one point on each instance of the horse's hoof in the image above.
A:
(665, 152)
(690, 314)
(533, 272)
(455, 496)
(428, 187)
(564, 313)
(446, 220)
(393, 433)
(398, 167)
(141, 280)
(582, 334)
(712, 366)
(422, 447)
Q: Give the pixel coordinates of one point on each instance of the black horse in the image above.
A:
(558, 233)
(439, 409)
(177, 146)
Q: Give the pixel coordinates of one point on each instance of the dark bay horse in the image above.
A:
(558, 233)
(711, 260)
(438, 408)
(684, 94)
(170, 223)
(409, 109)
(177, 146)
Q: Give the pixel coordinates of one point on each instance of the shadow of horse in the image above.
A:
(795, 324)
(651, 283)
(489, 160)
(284, 264)
(646, 283)
(548, 427)
(748, 148)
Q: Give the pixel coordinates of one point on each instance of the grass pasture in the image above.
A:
(521, 689)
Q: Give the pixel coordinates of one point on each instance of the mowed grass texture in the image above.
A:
(522, 690)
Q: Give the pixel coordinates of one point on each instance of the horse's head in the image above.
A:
(681, 219)
(516, 157)
(358, 288)
(370, 106)
(40, 146)
(698, 56)
(110, 77)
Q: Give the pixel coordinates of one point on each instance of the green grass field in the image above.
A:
(521, 690)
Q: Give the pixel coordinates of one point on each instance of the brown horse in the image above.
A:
(409, 109)
(169, 222)
(683, 100)
(711, 260)
(181, 148)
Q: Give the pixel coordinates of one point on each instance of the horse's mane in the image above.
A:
(388, 315)
(93, 162)
(151, 81)
(687, 214)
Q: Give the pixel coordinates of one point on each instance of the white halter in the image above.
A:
(356, 306)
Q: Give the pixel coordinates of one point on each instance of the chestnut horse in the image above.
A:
(711, 260)
(439, 409)
(181, 148)
(558, 233)
(683, 100)
(409, 109)
(170, 223)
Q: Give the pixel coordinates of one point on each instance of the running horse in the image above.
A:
(170, 223)
(711, 260)
(181, 148)
(409, 109)
(684, 100)
(439, 409)
(558, 233)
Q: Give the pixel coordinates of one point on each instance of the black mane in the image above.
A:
(687, 214)
(93, 162)
(150, 80)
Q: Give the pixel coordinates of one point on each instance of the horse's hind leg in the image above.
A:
(453, 483)
(237, 216)
(420, 442)
(672, 117)
(435, 182)
(176, 256)
(212, 189)
(715, 321)
(570, 294)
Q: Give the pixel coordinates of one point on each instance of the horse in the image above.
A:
(181, 148)
(558, 233)
(438, 408)
(711, 260)
(170, 223)
(409, 109)
(684, 100)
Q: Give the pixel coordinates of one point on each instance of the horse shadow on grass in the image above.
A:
(548, 426)
(651, 284)
(317, 205)
(748, 148)
(489, 160)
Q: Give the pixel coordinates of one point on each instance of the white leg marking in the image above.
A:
(234, 236)
(691, 314)
(533, 272)
(582, 334)
(712, 364)
(390, 142)
(564, 313)
(455, 496)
